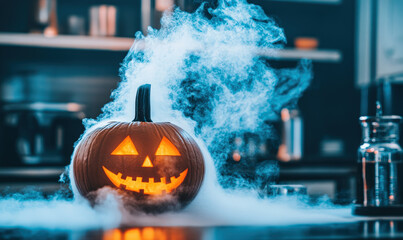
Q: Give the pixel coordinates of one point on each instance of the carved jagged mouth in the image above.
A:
(150, 187)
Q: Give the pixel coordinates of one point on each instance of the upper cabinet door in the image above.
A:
(379, 41)
(390, 39)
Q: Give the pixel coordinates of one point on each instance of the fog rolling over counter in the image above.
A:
(208, 80)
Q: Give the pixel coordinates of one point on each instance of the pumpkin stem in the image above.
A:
(143, 104)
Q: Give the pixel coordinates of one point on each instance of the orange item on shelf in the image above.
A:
(306, 43)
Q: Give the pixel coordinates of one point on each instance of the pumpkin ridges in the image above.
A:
(89, 157)
(86, 156)
(192, 158)
(112, 127)
(83, 156)
(78, 171)
(85, 161)
(182, 143)
(196, 152)
(90, 161)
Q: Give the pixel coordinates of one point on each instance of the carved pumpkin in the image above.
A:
(158, 165)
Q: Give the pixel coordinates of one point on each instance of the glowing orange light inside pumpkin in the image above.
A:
(166, 148)
(126, 147)
(146, 233)
(132, 234)
(150, 187)
(147, 163)
(113, 234)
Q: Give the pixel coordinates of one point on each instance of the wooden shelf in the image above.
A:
(124, 44)
(66, 42)
(335, 2)
(296, 54)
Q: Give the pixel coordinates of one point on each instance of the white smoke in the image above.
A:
(33, 210)
(207, 78)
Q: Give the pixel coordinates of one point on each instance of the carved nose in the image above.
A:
(147, 162)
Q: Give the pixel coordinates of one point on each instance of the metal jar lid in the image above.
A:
(380, 128)
(381, 119)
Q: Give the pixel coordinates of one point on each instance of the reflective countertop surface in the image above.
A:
(368, 229)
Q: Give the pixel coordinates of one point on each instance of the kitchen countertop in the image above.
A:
(361, 229)
(369, 229)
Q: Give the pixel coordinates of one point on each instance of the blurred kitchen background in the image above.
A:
(59, 62)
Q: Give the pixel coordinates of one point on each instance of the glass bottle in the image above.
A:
(380, 162)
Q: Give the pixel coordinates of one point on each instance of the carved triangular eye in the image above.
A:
(126, 147)
(166, 148)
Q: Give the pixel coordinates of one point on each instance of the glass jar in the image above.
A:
(380, 163)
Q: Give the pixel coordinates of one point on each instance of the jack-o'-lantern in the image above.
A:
(158, 165)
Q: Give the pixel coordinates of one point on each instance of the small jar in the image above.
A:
(380, 163)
